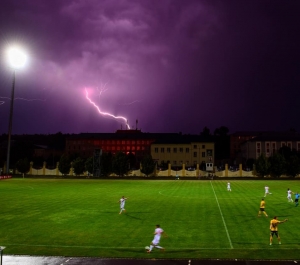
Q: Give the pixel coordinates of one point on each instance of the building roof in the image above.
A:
(138, 135)
(277, 137)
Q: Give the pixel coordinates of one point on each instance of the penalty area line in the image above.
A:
(230, 243)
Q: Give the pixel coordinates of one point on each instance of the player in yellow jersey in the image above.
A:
(274, 229)
(262, 208)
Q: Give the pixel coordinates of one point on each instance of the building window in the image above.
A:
(209, 152)
(273, 148)
(181, 150)
(289, 144)
(168, 150)
(283, 144)
(175, 162)
(162, 150)
(195, 154)
(203, 154)
(195, 146)
(174, 150)
(258, 148)
(187, 150)
(203, 146)
(155, 150)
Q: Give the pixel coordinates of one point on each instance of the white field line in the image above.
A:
(222, 215)
(172, 248)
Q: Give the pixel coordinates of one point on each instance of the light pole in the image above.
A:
(17, 60)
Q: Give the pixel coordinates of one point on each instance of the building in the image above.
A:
(238, 138)
(164, 147)
(178, 149)
(269, 143)
(126, 141)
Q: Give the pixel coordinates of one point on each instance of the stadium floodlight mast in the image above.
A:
(17, 59)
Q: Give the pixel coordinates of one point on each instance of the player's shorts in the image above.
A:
(262, 209)
(156, 240)
(296, 200)
(272, 233)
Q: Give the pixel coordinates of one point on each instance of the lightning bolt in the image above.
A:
(105, 113)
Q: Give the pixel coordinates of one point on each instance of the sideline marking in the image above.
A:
(222, 215)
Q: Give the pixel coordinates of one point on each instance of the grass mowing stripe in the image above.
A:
(221, 215)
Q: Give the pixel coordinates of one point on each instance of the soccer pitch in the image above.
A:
(61, 217)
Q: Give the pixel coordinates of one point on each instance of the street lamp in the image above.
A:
(16, 59)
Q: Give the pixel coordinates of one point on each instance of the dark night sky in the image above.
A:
(176, 66)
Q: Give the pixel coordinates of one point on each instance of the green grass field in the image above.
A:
(202, 219)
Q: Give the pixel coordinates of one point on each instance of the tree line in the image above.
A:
(118, 164)
(284, 162)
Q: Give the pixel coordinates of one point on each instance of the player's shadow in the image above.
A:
(133, 217)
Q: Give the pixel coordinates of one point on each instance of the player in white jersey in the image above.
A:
(289, 195)
(228, 186)
(122, 204)
(267, 191)
(155, 242)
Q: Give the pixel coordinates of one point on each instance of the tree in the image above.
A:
(64, 164)
(286, 152)
(21, 149)
(120, 164)
(148, 165)
(250, 162)
(132, 160)
(222, 131)
(222, 143)
(78, 166)
(23, 166)
(89, 165)
(205, 132)
(38, 161)
(293, 166)
(106, 164)
(262, 165)
(277, 164)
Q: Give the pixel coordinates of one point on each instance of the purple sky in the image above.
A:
(176, 66)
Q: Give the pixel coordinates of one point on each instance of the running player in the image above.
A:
(289, 195)
(155, 242)
(274, 229)
(122, 204)
(228, 186)
(262, 208)
(267, 190)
